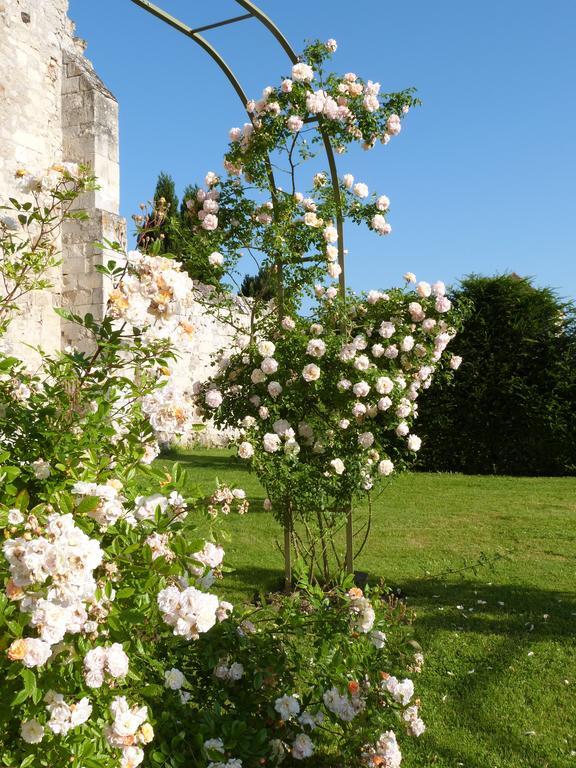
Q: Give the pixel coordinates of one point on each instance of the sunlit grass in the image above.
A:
(498, 688)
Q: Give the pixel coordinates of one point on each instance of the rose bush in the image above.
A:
(325, 404)
(326, 409)
(115, 648)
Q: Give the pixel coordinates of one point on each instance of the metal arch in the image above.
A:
(254, 12)
(194, 35)
(271, 27)
(202, 42)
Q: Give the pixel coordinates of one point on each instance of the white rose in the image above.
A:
(216, 259)
(338, 466)
(302, 747)
(271, 442)
(41, 469)
(116, 660)
(32, 732)
(245, 450)
(266, 348)
(302, 72)
(174, 679)
(385, 467)
(269, 365)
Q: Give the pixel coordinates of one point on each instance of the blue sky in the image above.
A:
(483, 176)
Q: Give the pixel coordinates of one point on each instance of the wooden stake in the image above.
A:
(349, 542)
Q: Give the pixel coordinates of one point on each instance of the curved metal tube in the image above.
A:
(254, 11)
(271, 27)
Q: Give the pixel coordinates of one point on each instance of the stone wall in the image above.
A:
(53, 109)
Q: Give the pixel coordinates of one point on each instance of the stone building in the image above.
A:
(54, 108)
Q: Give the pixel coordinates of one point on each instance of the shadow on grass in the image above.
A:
(512, 619)
(496, 608)
(250, 581)
(206, 461)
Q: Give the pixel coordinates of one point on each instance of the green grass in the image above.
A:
(499, 684)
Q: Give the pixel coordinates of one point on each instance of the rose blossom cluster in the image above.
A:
(170, 412)
(129, 730)
(65, 716)
(111, 506)
(225, 500)
(191, 612)
(354, 107)
(402, 692)
(384, 754)
(345, 705)
(61, 559)
(102, 662)
(361, 610)
(205, 206)
(381, 370)
(156, 294)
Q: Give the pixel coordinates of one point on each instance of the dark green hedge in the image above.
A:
(511, 408)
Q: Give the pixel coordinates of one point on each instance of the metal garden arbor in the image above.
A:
(253, 12)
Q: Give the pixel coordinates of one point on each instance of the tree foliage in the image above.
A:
(511, 409)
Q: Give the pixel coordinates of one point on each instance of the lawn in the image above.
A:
(499, 684)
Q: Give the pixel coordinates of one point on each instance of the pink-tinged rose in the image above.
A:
(269, 365)
(438, 288)
(416, 312)
(393, 125)
(455, 362)
(311, 372)
(361, 389)
(213, 398)
(414, 442)
(384, 385)
(302, 72)
(271, 442)
(391, 352)
(360, 190)
(383, 203)
(423, 289)
(294, 123)
(334, 270)
(366, 439)
(386, 329)
(443, 304)
(274, 389)
(210, 222)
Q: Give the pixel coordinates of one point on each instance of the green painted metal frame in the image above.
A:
(194, 34)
